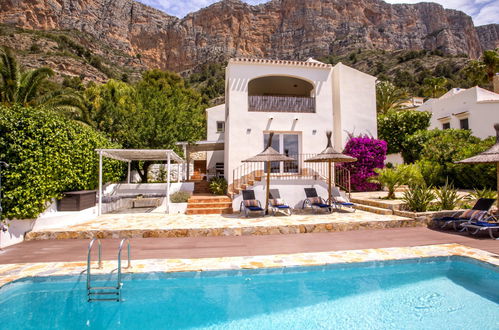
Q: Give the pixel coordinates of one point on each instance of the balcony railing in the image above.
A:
(265, 103)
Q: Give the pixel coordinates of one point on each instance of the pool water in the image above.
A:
(428, 293)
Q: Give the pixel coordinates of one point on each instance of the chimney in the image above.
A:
(495, 82)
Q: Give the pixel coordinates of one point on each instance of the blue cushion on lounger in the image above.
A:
(282, 206)
(347, 204)
(321, 205)
(254, 208)
(486, 224)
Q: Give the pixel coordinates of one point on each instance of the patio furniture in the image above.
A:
(250, 204)
(268, 156)
(474, 227)
(315, 201)
(339, 199)
(330, 156)
(479, 210)
(277, 204)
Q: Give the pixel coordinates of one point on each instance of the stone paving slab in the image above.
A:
(12, 272)
(162, 225)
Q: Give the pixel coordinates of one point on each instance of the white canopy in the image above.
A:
(129, 155)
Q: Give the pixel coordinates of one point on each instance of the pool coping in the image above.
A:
(14, 272)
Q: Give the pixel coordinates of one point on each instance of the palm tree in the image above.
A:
(434, 87)
(389, 97)
(490, 59)
(24, 87)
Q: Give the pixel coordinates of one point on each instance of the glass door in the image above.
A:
(287, 144)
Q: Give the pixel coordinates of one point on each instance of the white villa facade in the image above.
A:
(475, 108)
(298, 101)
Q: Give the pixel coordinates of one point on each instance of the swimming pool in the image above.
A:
(436, 293)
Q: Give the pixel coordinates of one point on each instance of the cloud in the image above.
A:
(482, 11)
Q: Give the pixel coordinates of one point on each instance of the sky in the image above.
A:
(482, 11)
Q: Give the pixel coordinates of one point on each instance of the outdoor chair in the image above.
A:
(488, 223)
(250, 204)
(339, 199)
(277, 204)
(314, 201)
(479, 211)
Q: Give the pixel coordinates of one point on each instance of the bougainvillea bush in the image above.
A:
(370, 154)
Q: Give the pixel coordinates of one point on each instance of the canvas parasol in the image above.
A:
(330, 156)
(488, 156)
(267, 156)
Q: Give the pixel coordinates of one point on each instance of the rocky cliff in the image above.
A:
(288, 29)
(489, 36)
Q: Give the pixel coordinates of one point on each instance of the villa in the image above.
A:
(299, 101)
(473, 108)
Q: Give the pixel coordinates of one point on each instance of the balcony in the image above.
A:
(294, 104)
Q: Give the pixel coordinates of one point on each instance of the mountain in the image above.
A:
(132, 35)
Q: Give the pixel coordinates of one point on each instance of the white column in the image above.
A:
(99, 207)
(168, 184)
(178, 172)
(129, 170)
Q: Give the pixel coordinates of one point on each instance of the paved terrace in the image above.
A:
(146, 225)
(231, 246)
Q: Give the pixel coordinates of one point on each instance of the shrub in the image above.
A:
(448, 197)
(48, 154)
(436, 152)
(483, 193)
(370, 154)
(180, 197)
(418, 198)
(218, 186)
(396, 126)
(392, 178)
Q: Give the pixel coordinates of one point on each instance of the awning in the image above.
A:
(203, 146)
(128, 155)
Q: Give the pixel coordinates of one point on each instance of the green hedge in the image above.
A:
(48, 154)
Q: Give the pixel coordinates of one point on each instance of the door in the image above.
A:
(287, 144)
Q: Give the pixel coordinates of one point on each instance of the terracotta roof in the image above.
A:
(313, 64)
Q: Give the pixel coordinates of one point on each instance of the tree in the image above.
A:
(396, 126)
(25, 87)
(389, 97)
(392, 178)
(490, 60)
(435, 87)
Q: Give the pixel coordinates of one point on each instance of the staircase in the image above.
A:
(201, 187)
(209, 204)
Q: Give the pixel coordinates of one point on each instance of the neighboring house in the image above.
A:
(412, 103)
(475, 108)
(299, 101)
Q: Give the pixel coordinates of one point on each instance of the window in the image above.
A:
(464, 123)
(445, 125)
(220, 126)
(288, 145)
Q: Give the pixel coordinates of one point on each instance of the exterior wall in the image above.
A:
(354, 95)
(481, 114)
(292, 191)
(244, 130)
(213, 115)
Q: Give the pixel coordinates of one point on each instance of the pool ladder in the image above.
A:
(105, 293)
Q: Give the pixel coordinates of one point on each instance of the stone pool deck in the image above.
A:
(12, 272)
(146, 225)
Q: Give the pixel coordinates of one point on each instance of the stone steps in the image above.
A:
(373, 209)
(226, 210)
(209, 205)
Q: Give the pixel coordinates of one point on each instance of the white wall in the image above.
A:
(241, 143)
(354, 95)
(213, 115)
(292, 191)
(482, 111)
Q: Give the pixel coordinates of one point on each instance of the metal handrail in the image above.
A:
(90, 246)
(119, 258)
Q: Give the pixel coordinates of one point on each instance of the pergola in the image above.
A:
(129, 155)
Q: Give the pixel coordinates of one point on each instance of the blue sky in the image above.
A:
(482, 11)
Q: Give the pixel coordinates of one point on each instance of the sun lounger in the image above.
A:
(488, 224)
(250, 204)
(314, 201)
(277, 204)
(479, 211)
(340, 199)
